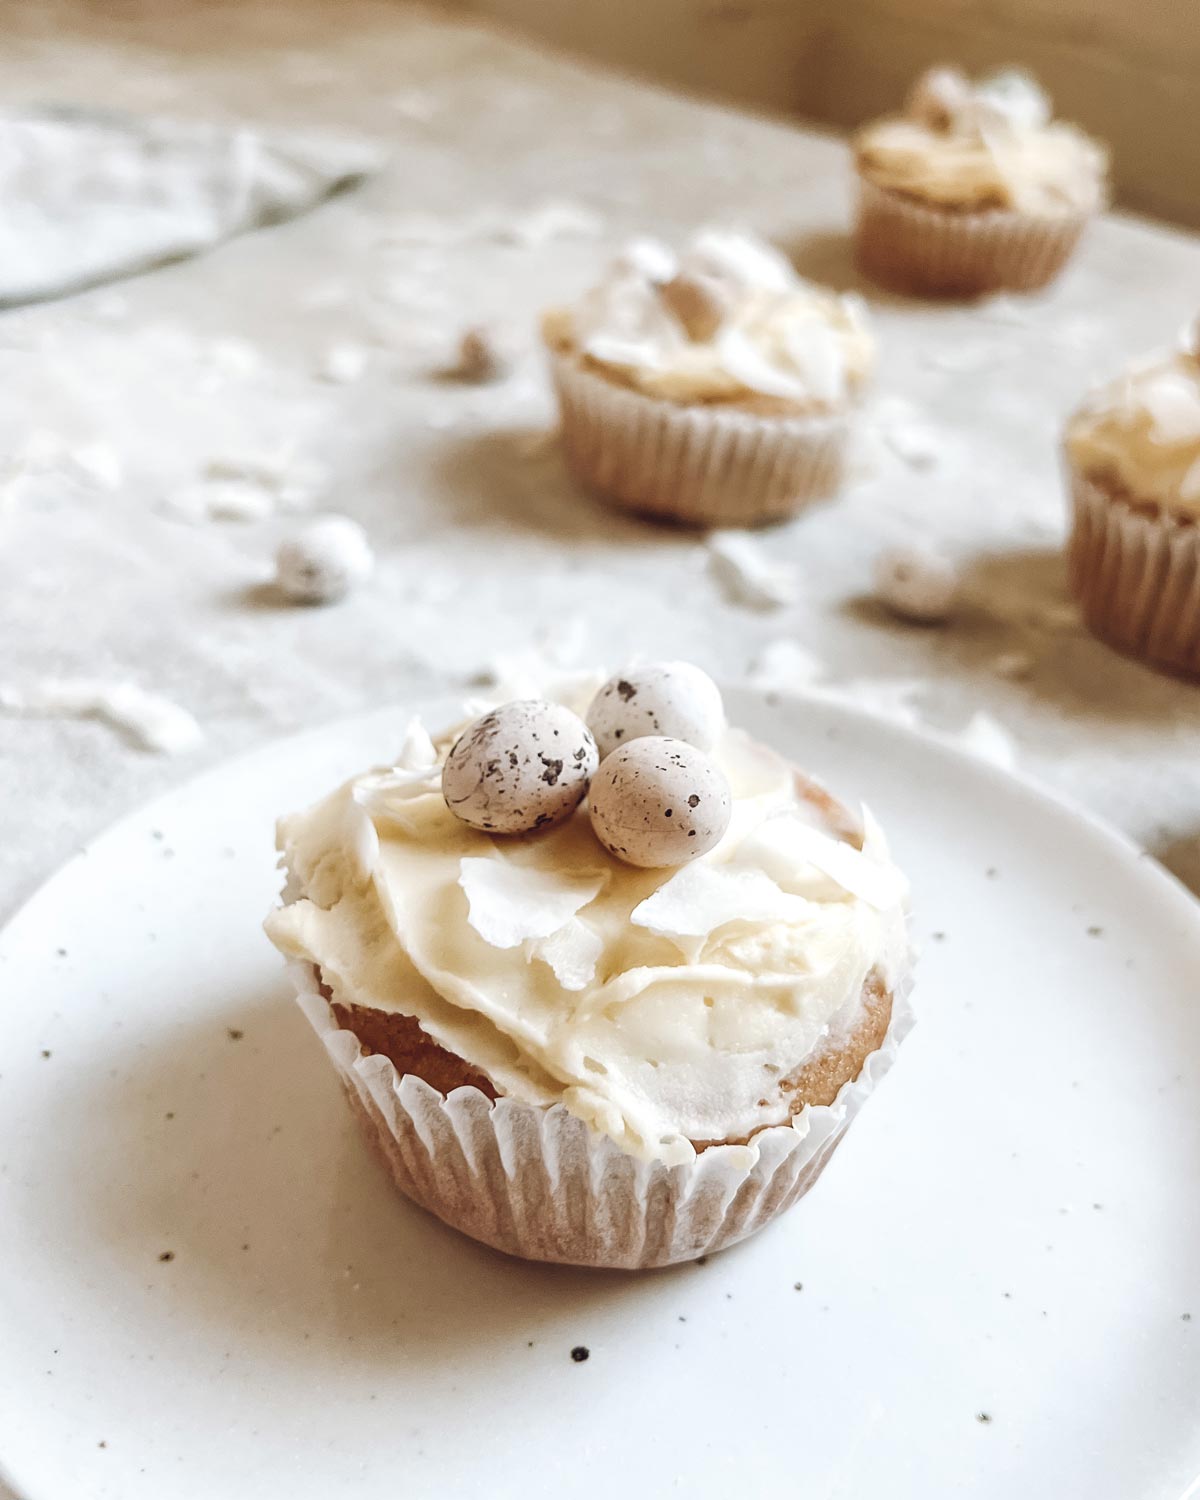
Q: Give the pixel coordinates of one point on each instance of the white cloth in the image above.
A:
(89, 196)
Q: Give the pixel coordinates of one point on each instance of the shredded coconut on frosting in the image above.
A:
(728, 320)
(1141, 433)
(658, 1006)
(991, 144)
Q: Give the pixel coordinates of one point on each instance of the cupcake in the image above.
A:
(974, 188)
(714, 388)
(620, 1032)
(1133, 460)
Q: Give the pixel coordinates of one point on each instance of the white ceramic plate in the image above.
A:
(997, 1269)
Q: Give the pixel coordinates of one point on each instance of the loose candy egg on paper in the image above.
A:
(523, 766)
(658, 802)
(323, 561)
(917, 584)
(670, 698)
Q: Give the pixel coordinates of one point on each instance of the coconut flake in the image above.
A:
(787, 846)
(648, 258)
(510, 903)
(701, 898)
(746, 362)
(556, 219)
(746, 574)
(572, 952)
(816, 351)
(784, 665)
(987, 738)
(1173, 404)
(150, 720)
(344, 364)
(739, 259)
(417, 750)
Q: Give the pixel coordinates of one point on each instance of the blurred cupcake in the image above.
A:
(716, 388)
(974, 188)
(572, 1040)
(1133, 456)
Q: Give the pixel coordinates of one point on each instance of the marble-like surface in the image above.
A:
(483, 546)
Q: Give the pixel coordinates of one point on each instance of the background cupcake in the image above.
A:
(974, 188)
(1133, 456)
(715, 388)
(620, 1035)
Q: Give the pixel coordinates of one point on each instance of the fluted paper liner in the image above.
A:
(916, 248)
(1136, 574)
(694, 464)
(538, 1183)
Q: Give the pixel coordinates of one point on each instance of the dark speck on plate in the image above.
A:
(580, 1353)
(166, 1255)
(234, 1033)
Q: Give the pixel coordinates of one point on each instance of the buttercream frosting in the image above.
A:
(779, 341)
(1142, 432)
(995, 147)
(662, 1007)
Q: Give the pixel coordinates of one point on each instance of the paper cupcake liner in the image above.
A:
(911, 247)
(1136, 574)
(537, 1183)
(695, 465)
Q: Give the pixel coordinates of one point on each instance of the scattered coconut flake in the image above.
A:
(572, 952)
(220, 500)
(344, 364)
(556, 219)
(150, 720)
(700, 898)
(903, 431)
(784, 665)
(1006, 309)
(987, 738)
(510, 903)
(747, 574)
(785, 844)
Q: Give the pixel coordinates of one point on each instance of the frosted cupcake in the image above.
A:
(622, 1032)
(714, 388)
(1133, 457)
(974, 188)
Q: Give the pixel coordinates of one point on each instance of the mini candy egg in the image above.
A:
(525, 765)
(938, 97)
(323, 561)
(659, 801)
(671, 698)
(917, 584)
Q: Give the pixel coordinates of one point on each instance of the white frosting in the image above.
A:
(782, 338)
(1143, 432)
(661, 1007)
(996, 147)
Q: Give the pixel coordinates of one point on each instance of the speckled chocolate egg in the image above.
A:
(917, 584)
(671, 698)
(658, 802)
(525, 765)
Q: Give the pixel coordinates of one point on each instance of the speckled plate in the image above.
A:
(207, 1287)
